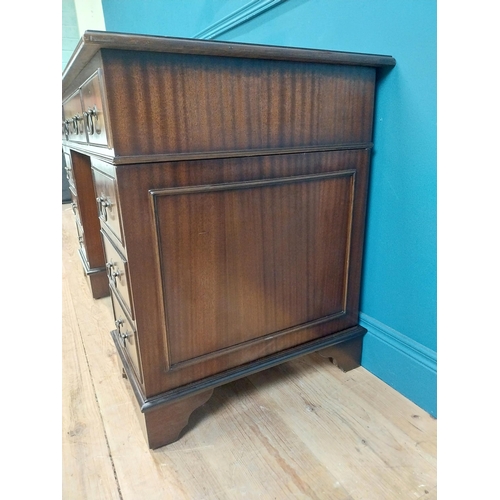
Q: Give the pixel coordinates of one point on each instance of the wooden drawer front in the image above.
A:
(116, 267)
(74, 200)
(107, 202)
(74, 203)
(79, 227)
(94, 112)
(68, 167)
(73, 121)
(127, 333)
(81, 238)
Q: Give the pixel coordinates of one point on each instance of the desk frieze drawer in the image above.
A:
(93, 111)
(117, 270)
(73, 128)
(84, 116)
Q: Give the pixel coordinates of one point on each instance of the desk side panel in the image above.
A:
(235, 259)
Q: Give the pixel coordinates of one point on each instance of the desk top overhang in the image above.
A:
(93, 41)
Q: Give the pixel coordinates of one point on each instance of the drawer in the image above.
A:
(68, 167)
(74, 203)
(81, 239)
(107, 202)
(117, 269)
(73, 120)
(79, 227)
(127, 334)
(93, 111)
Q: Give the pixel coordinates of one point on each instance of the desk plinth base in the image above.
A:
(163, 417)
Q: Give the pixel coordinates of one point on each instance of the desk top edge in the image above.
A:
(92, 41)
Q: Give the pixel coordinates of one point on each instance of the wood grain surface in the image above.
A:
(266, 251)
(169, 103)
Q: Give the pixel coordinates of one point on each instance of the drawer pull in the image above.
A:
(91, 121)
(73, 207)
(112, 274)
(103, 203)
(75, 123)
(109, 269)
(65, 128)
(123, 335)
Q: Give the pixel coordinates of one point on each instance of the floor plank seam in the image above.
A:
(101, 418)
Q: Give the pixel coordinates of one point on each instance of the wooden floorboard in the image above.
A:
(301, 430)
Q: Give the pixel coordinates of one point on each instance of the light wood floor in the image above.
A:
(303, 430)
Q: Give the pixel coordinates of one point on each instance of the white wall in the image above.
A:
(78, 16)
(89, 14)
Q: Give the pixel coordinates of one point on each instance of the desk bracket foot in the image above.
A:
(165, 423)
(346, 355)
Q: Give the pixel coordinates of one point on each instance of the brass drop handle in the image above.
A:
(75, 124)
(65, 128)
(89, 123)
(109, 269)
(112, 273)
(103, 203)
(123, 335)
(91, 119)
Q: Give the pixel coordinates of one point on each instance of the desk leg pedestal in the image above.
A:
(97, 278)
(99, 284)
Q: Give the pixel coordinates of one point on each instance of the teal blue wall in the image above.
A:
(398, 302)
(181, 18)
(399, 299)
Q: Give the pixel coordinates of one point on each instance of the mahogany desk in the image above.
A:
(219, 192)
